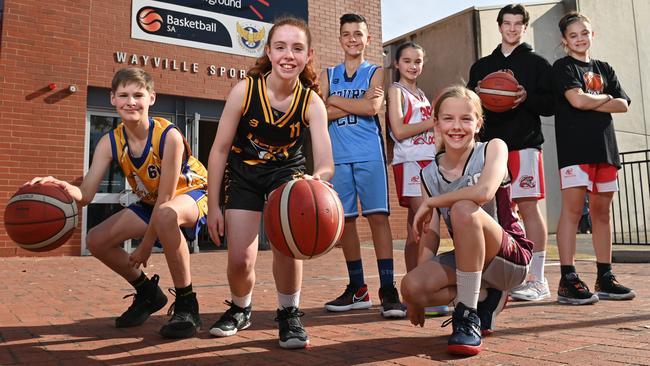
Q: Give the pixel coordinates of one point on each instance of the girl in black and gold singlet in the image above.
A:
(258, 147)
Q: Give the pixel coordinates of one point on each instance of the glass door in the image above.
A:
(113, 193)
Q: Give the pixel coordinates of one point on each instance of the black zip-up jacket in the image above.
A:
(521, 127)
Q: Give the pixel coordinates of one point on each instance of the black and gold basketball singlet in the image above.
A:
(266, 135)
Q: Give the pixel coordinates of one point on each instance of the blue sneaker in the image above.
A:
(489, 308)
(465, 338)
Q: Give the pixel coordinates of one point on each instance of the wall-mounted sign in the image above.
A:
(232, 26)
(173, 64)
(261, 10)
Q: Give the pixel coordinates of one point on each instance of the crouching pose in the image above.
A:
(468, 185)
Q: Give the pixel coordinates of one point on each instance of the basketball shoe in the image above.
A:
(233, 320)
(531, 291)
(144, 304)
(465, 337)
(608, 288)
(292, 333)
(573, 291)
(391, 307)
(352, 298)
(489, 308)
(185, 321)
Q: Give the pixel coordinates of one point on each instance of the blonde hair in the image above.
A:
(456, 91)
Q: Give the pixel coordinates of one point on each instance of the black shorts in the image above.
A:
(247, 186)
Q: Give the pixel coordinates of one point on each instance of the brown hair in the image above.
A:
(132, 75)
(351, 18)
(569, 18)
(456, 91)
(398, 54)
(308, 76)
(514, 9)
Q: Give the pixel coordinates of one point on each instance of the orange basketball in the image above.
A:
(498, 91)
(40, 217)
(303, 218)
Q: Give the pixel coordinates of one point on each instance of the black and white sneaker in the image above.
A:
(292, 333)
(185, 321)
(351, 299)
(574, 291)
(234, 319)
(391, 307)
(144, 304)
(608, 288)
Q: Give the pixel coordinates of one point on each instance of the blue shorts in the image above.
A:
(144, 210)
(367, 180)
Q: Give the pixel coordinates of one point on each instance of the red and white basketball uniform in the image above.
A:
(411, 154)
(527, 173)
(599, 177)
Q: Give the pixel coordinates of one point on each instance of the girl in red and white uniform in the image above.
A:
(411, 128)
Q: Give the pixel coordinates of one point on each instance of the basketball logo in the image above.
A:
(593, 83)
(149, 20)
(527, 182)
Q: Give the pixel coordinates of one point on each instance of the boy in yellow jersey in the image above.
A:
(171, 184)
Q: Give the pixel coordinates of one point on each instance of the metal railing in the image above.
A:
(631, 205)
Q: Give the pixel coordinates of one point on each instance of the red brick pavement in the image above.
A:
(60, 311)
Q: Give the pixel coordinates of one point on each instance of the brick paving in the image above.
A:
(60, 311)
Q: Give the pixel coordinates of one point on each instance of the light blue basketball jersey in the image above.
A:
(354, 138)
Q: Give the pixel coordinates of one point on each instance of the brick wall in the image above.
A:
(74, 43)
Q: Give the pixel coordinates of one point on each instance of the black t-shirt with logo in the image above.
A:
(585, 136)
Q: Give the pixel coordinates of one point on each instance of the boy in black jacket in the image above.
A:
(521, 129)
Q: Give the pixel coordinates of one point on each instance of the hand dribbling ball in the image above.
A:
(40, 217)
(498, 91)
(303, 218)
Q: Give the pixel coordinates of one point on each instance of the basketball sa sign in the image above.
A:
(237, 27)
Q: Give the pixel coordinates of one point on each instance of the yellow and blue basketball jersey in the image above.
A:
(266, 135)
(143, 173)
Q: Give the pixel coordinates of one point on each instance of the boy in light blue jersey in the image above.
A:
(354, 96)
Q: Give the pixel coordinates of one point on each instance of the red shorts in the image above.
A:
(407, 180)
(599, 177)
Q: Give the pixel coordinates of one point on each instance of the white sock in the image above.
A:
(537, 266)
(285, 301)
(243, 301)
(468, 288)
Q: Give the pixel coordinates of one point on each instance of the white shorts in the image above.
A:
(527, 173)
(596, 177)
(407, 180)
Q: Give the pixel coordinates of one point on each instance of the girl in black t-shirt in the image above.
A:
(587, 92)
